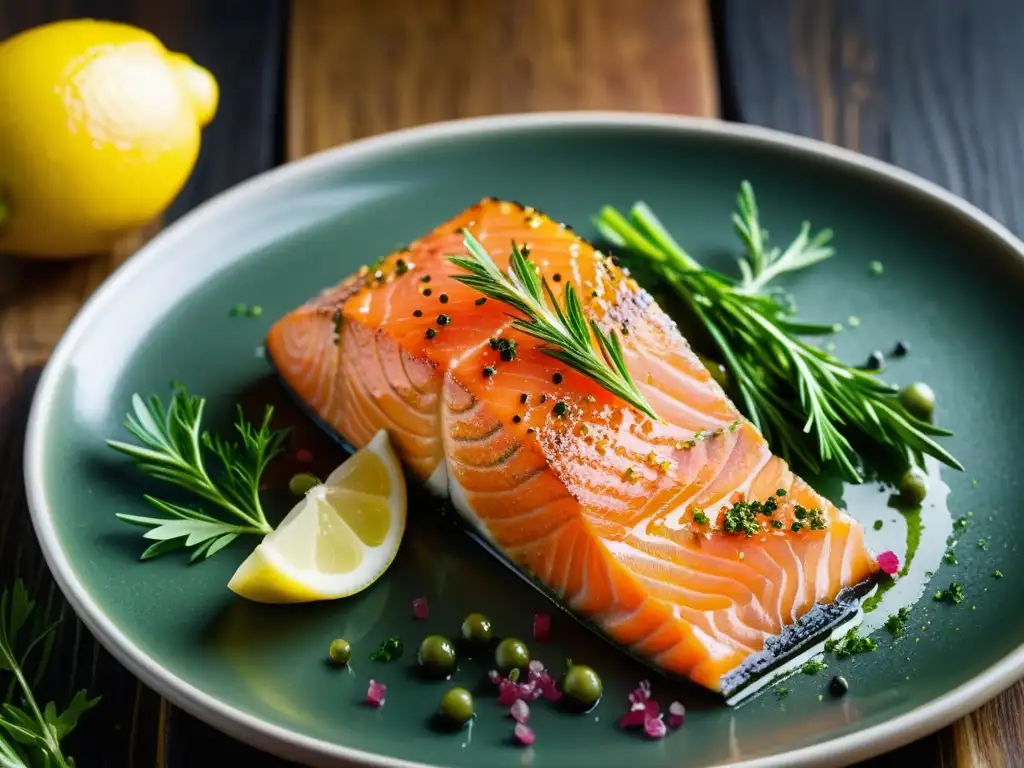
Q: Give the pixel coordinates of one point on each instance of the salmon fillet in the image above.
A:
(575, 487)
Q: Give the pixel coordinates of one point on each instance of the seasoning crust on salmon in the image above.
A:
(683, 540)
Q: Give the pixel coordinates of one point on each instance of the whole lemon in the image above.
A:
(99, 130)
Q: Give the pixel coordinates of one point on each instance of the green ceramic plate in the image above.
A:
(951, 287)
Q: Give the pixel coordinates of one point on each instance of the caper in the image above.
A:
(302, 483)
(476, 630)
(582, 686)
(456, 708)
(340, 651)
(437, 656)
(511, 654)
(919, 399)
(913, 487)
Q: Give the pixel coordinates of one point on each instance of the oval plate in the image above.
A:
(951, 286)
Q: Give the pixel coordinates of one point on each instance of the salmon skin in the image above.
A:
(645, 529)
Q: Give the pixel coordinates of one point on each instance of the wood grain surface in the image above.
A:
(361, 67)
(933, 92)
(242, 45)
(929, 87)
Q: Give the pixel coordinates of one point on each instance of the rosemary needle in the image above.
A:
(564, 328)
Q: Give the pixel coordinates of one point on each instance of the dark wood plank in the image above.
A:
(360, 67)
(930, 88)
(241, 43)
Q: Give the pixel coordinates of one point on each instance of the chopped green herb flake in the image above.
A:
(781, 693)
(876, 268)
(389, 650)
(777, 523)
(982, 544)
(997, 574)
(878, 525)
(897, 623)
(950, 558)
(961, 522)
(238, 310)
(813, 667)
(443, 319)
(700, 518)
(401, 267)
(488, 371)
(430, 333)
(955, 594)
(560, 409)
(850, 644)
(853, 321)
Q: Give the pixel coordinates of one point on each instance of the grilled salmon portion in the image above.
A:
(647, 529)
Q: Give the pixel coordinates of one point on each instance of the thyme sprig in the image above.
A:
(564, 328)
(788, 388)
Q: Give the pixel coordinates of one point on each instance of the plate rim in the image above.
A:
(290, 744)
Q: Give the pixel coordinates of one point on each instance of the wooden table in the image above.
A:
(930, 86)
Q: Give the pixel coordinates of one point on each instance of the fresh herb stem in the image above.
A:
(174, 448)
(788, 388)
(30, 735)
(562, 327)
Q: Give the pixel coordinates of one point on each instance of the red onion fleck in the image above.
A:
(303, 456)
(655, 727)
(541, 627)
(676, 715)
(524, 734)
(520, 711)
(889, 563)
(420, 608)
(376, 694)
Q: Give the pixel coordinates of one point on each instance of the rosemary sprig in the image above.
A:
(175, 449)
(564, 328)
(30, 735)
(788, 388)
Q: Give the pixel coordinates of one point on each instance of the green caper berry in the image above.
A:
(582, 685)
(476, 629)
(340, 651)
(302, 483)
(437, 656)
(919, 399)
(456, 706)
(913, 487)
(511, 654)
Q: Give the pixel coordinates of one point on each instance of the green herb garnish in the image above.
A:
(30, 735)
(700, 518)
(955, 594)
(741, 517)
(563, 328)
(950, 558)
(849, 644)
(897, 623)
(389, 650)
(997, 574)
(176, 449)
(787, 387)
(813, 667)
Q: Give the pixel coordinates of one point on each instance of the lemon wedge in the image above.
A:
(338, 539)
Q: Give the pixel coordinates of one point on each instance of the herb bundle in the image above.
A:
(564, 329)
(30, 735)
(788, 388)
(176, 449)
